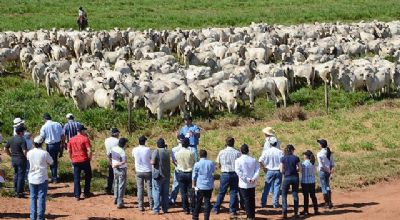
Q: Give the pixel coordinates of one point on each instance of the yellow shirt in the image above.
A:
(185, 160)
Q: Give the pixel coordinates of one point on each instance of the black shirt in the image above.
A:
(289, 163)
(17, 145)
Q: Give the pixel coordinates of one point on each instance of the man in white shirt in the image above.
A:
(111, 142)
(269, 134)
(175, 184)
(247, 169)
(120, 165)
(270, 160)
(38, 180)
(142, 157)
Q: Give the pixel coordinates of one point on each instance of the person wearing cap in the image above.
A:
(326, 167)
(270, 160)
(80, 152)
(160, 159)
(229, 179)
(247, 169)
(290, 167)
(269, 133)
(71, 127)
(203, 183)
(185, 160)
(142, 156)
(52, 133)
(109, 143)
(38, 178)
(120, 165)
(28, 138)
(16, 148)
(175, 185)
(308, 182)
(191, 131)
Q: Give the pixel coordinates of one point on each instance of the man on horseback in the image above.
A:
(82, 19)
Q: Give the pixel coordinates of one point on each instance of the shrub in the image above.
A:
(292, 113)
(368, 146)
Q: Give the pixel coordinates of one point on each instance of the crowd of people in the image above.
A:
(193, 175)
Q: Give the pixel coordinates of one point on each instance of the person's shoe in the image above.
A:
(317, 213)
(88, 195)
(214, 211)
(304, 213)
(284, 215)
(187, 212)
(77, 198)
(141, 209)
(276, 206)
(233, 214)
(120, 206)
(263, 206)
(155, 213)
(296, 216)
(20, 195)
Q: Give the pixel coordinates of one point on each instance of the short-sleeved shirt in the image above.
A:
(38, 162)
(51, 132)
(71, 129)
(203, 174)
(289, 162)
(17, 146)
(185, 160)
(142, 156)
(193, 140)
(118, 155)
(162, 161)
(79, 147)
(110, 143)
(226, 158)
(271, 158)
(174, 151)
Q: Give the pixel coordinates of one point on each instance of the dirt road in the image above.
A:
(380, 201)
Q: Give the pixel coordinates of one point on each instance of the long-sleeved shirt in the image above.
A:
(51, 132)
(247, 169)
(271, 158)
(325, 164)
(203, 174)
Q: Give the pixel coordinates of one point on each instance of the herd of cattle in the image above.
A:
(211, 68)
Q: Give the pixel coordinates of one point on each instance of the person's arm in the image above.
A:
(173, 158)
(261, 161)
(69, 150)
(89, 149)
(239, 171)
(24, 148)
(153, 160)
(43, 132)
(7, 148)
(195, 175)
(256, 173)
(218, 160)
(197, 132)
(282, 167)
(49, 160)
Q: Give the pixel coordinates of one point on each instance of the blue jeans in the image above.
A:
(287, 182)
(54, 150)
(119, 185)
(38, 192)
(78, 168)
(160, 194)
(324, 181)
(185, 186)
(174, 189)
(19, 174)
(230, 180)
(273, 180)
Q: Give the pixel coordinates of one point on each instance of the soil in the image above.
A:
(380, 201)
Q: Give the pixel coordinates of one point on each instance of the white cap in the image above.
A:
(69, 115)
(38, 139)
(272, 140)
(17, 122)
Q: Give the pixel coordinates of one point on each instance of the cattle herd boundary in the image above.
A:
(210, 69)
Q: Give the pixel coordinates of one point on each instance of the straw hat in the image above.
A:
(268, 131)
(17, 122)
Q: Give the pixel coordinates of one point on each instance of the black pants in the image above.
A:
(249, 197)
(110, 178)
(309, 191)
(78, 168)
(200, 195)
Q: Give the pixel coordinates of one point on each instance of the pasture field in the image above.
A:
(363, 131)
(161, 14)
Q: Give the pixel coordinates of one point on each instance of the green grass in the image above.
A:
(160, 14)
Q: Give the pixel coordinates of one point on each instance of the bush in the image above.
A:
(292, 113)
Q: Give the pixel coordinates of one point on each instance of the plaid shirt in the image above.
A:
(307, 172)
(226, 158)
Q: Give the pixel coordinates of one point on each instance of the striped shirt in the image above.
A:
(307, 172)
(70, 129)
(117, 156)
(226, 158)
